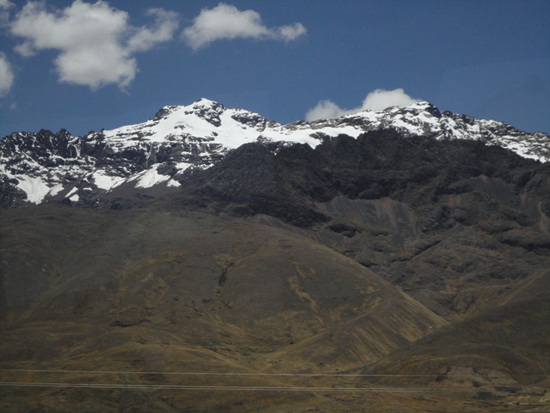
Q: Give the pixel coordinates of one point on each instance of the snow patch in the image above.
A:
(107, 182)
(173, 183)
(149, 178)
(72, 191)
(56, 189)
(182, 166)
(35, 188)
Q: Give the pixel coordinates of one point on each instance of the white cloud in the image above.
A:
(381, 99)
(378, 99)
(6, 75)
(291, 32)
(166, 23)
(95, 41)
(325, 110)
(227, 22)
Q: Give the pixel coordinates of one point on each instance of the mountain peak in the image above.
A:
(199, 105)
(414, 109)
(204, 102)
(424, 105)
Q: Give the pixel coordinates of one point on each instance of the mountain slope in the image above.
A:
(146, 290)
(502, 348)
(122, 269)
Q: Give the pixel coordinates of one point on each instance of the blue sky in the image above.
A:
(88, 65)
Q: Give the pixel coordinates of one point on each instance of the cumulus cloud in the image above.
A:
(227, 22)
(325, 110)
(378, 99)
(6, 75)
(166, 23)
(96, 43)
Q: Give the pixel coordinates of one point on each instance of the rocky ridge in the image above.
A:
(157, 155)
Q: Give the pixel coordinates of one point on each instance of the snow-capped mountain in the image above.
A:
(158, 153)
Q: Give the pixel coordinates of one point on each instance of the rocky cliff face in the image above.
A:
(154, 157)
